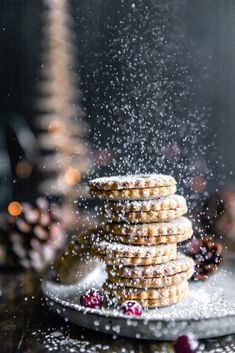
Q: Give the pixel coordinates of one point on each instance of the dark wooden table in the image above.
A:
(27, 326)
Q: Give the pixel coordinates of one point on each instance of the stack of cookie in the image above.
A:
(138, 242)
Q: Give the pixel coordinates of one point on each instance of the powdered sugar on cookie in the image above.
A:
(165, 203)
(126, 250)
(179, 225)
(139, 241)
(181, 264)
(132, 181)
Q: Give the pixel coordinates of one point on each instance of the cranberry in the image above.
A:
(131, 307)
(183, 345)
(92, 298)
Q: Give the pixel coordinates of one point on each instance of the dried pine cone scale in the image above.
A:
(36, 235)
(207, 255)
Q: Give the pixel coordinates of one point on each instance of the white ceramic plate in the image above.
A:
(209, 311)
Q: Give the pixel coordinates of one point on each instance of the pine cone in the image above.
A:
(207, 256)
(218, 215)
(35, 236)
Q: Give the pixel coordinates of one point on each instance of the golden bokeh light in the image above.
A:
(14, 208)
(55, 126)
(198, 183)
(23, 169)
(72, 176)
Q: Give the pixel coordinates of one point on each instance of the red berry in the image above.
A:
(131, 307)
(183, 345)
(92, 298)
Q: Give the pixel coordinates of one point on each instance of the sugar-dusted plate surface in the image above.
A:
(209, 311)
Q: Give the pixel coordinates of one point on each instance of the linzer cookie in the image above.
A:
(171, 273)
(165, 203)
(159, 297)
(124, 250)
(115, 254)
(139, 181)
(138, 261)
(133, 194)
(147, 217)
(181, 264)
(138, 240)
(158, 210)
(159, 282)
(165, 301)
(133, 187)
(181, 225)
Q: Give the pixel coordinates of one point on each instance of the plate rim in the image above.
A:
(101, 313)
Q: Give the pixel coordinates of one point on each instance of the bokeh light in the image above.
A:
(198, 183)
(55, 126)
(23, 169)
(14, 208)
(72, 176)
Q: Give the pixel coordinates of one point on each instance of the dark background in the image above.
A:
(207, 47)
(182, 49)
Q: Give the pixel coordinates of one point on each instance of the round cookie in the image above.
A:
(147, 217)
(157, 303)
(171, 202)
(157, 282)
(139, 240)
(158, 295)
(139, 181)
(181, 264)
(134, 194)
(113, 250)
(138, 261)
(181, 225)
(158, 210)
